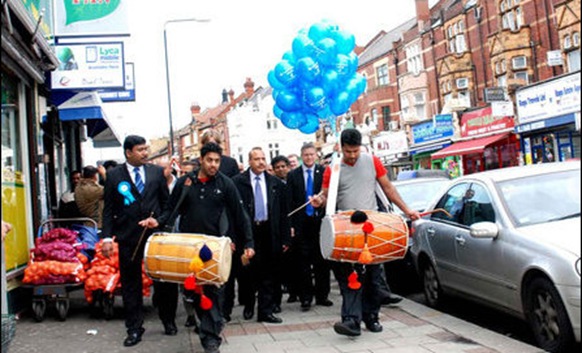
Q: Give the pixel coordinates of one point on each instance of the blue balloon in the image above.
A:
(303, 46)
(273, 81)
(311, 126)
(340, 104)
(342, 65)
(288, 101)
(289, 57)
(293, 120)
(285, 73)
(308, 69)
(362, 83)
(277, 111)
(326, 113)
(353, 63)
(330, 82)
(346, 42)
(318, 31)
(315, 99)
(328, 51)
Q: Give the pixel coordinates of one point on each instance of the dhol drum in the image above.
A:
(168, 256)
(341, 240)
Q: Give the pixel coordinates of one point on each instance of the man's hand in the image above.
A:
(149, 222)
(317, 200)
(107, 249)
(249, 253)
(285, 248)
(412, 214)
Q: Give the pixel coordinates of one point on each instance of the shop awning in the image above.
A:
(468, 147)
(88, 106)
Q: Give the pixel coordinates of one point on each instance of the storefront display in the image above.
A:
(430, 136)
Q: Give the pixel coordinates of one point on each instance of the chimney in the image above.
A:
(422, 13)
(231, 95)
(224, 96)
(249, 87)
(194, 110)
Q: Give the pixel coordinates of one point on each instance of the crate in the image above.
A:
(8, 330)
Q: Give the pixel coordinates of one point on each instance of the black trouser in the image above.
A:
(312, 265)
(131, 288)
(211, 323)
(237, 273)
(363, 303)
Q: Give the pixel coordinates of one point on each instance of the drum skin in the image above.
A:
(168, 256)
(341, 240)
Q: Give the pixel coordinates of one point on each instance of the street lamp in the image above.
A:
(168, 73)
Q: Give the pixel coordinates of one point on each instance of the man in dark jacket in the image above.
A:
(265, 198)
(135, 196)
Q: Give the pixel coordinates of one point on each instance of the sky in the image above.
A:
(243, 39)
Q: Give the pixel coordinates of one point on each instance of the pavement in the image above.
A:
(409, 327)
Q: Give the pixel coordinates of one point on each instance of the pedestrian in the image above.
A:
(281, 167)
(67, 206)
(265, 199)
(212, 206)
(359, 173)
(293, 161)
(89, 194)
(314, 271)
(135, 196)
(228, 165)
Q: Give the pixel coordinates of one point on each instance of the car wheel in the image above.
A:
(431, 285)
(547, 316)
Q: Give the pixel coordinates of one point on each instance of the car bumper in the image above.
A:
(571, 298)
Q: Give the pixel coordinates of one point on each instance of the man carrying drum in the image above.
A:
(358, 175)
(211, 205)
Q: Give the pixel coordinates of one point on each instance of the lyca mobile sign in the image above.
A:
(89, 66)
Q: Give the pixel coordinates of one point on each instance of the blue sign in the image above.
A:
(440, 127)
(127, 94)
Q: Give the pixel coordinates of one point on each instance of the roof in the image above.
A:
(383, 43)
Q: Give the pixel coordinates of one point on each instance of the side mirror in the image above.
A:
(484, 230)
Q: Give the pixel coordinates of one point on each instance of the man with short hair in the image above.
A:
(67, 205)
(358, 176)
(280, 165)
(135, 198)
(89, 195)
(293, 161)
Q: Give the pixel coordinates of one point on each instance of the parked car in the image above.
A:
(511, 241)
(417, 188)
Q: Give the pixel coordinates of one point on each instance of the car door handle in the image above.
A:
(431, 232)
(460, 240)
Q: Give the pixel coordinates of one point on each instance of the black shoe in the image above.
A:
(248, 313)
(226, 318)
(391, 299)
(191, 321)
(170, 329)
(212, 348)
(305, 305)
(272, 319)
(347, 328)
(292, 299)
(277, 309)
(133, 338)
(374, 326)
(324, 302)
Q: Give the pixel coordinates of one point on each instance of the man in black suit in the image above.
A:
(265, 198)
(304, 182)
(135, 197)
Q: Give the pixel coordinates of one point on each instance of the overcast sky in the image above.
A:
(243, 39)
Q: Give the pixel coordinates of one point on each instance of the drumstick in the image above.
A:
(304, 205)
(140, 239)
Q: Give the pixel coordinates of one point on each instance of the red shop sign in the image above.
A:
(481, 121)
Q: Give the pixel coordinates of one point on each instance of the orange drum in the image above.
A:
(168, 255)
(342, 240)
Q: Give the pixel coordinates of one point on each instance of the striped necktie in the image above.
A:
(138, 182)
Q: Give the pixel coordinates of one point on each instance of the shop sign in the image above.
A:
(441, 126)
(493, 94)
(124, 95)
(504, 108)
(89, 66)
(549, 99)
(390, 144)
(91, 18)
(40, 10)
(482, 121)
(555, 58)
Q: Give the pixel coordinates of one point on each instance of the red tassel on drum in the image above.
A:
(205, 302)
(190, 282)
(353, 282)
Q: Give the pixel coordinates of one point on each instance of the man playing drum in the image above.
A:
(212, 206)
(356, 191)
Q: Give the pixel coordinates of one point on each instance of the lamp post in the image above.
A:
(173, 150)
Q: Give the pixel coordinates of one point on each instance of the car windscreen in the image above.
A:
(418, 195)
(542, 198)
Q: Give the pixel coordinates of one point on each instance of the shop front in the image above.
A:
(486, 143)
(428, 137)
(392, 149)
(548, 113)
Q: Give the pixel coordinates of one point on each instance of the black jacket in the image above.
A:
(277, 204)
(296, 187)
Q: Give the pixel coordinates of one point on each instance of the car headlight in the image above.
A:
(578, 266)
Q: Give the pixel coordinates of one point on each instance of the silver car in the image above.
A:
(510, 238)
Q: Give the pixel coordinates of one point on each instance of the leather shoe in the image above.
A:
(374, 326)
(347, 328)
(133, 338)
(292, 299)
(391, 299)
(276, 309)
(272, 319)
(212, 348)
(248, 313)
(305, 305)
(191, 321)
(170, 329)
(324, 302)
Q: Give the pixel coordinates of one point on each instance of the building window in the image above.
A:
(521, 76)
(576, 39)
(375, 116)
(462, 83)
(519, 62)
(502, 81)
(386, 117)
(511, 15)
(414, 59)
(574, 60)
(405, 107)
(419, 105)
(272, 122)
(382, 74)
(273, 150)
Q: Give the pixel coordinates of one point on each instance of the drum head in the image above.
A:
(327, 237)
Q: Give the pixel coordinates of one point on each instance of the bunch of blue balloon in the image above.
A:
(317, 79)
